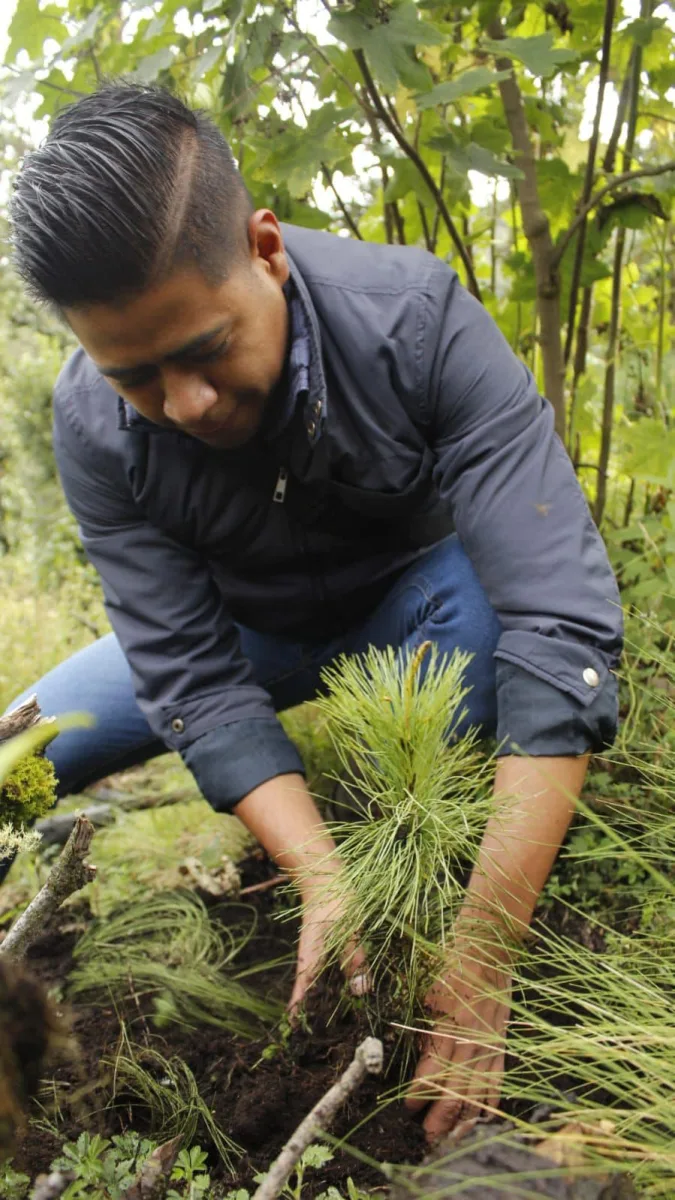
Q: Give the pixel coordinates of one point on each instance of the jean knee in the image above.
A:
(465, 620)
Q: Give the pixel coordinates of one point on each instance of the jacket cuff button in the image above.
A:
(178, 725)
(591, 677)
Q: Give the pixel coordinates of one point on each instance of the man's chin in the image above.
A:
(231, 437)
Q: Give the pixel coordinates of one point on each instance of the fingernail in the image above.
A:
(359, 984)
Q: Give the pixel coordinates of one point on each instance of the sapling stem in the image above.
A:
(367, 1061)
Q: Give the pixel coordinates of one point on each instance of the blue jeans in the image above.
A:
(438, 598)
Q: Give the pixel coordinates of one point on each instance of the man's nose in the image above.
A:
(188, 396)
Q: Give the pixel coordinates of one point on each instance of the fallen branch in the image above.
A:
(264, 886)
(68, 875)
(367, 1061)
(55, 831)
(20, 719)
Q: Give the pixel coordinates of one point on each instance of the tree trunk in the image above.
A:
(538, 233)
(589, 175)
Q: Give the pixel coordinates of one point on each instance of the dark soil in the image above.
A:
(258, 1091)
(258, 1095)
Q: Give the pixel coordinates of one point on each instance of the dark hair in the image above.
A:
(129, 184)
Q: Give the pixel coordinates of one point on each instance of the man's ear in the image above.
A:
(267, 244)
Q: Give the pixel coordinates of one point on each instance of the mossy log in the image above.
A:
(492, 1153)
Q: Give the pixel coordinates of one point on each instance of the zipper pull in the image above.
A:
(280, 486)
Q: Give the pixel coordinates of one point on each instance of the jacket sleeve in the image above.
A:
(525, 524)
(192, 682)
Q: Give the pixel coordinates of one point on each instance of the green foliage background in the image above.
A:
(460, 127)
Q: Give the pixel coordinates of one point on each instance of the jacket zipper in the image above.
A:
(280, 486)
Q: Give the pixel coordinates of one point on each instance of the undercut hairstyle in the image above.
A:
(129, 185)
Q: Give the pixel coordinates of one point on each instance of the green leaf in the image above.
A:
(149, 68)
(651, 456)
(642, 30)
(485, 161)
(316, 1155)
(85, 32)
(635, 210)
(473, 157)
(31, 26)
(207, 61)
(12, 751)
(405, 178)
(388, 35)
(466, 84)
(16, 87)
(537, 53)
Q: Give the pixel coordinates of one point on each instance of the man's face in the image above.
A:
(194, 356)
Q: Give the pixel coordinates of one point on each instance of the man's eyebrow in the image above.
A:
(196, 343)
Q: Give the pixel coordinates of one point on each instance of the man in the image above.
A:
(266, 438)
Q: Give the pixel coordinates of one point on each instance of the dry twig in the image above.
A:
(367, 1061)
(68, 875)
(24, 717)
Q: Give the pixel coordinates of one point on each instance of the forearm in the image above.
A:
(283, 817)
(535, 801)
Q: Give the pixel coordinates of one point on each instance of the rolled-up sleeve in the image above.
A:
(192, 682)
(524, 522)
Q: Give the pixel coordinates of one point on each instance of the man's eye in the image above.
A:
(206, 356)
(139, 379)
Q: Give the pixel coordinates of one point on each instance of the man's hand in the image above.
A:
(464, 1053)
(283, 817)
(459, 1073)
(320, 915)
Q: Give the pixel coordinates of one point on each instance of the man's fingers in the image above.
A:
(357, 972)
(428, 1082)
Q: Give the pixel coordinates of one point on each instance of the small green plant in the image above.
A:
(190, 1170)
(103, 1168)
(14, 1185)
(424, 796)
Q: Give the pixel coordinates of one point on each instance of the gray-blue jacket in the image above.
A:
(406, 414)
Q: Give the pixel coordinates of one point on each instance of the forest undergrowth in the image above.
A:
(176, 992)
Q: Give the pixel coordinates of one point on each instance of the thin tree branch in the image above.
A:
(68, 875)
(367, 1061)
(617, 182)
(537, 229)
(644, 112)
(341, 204)
(437, 214)
(415, 157)
(610, 10)
(615, 309)
(624, 96)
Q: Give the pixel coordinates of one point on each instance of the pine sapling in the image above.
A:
(422, 794)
